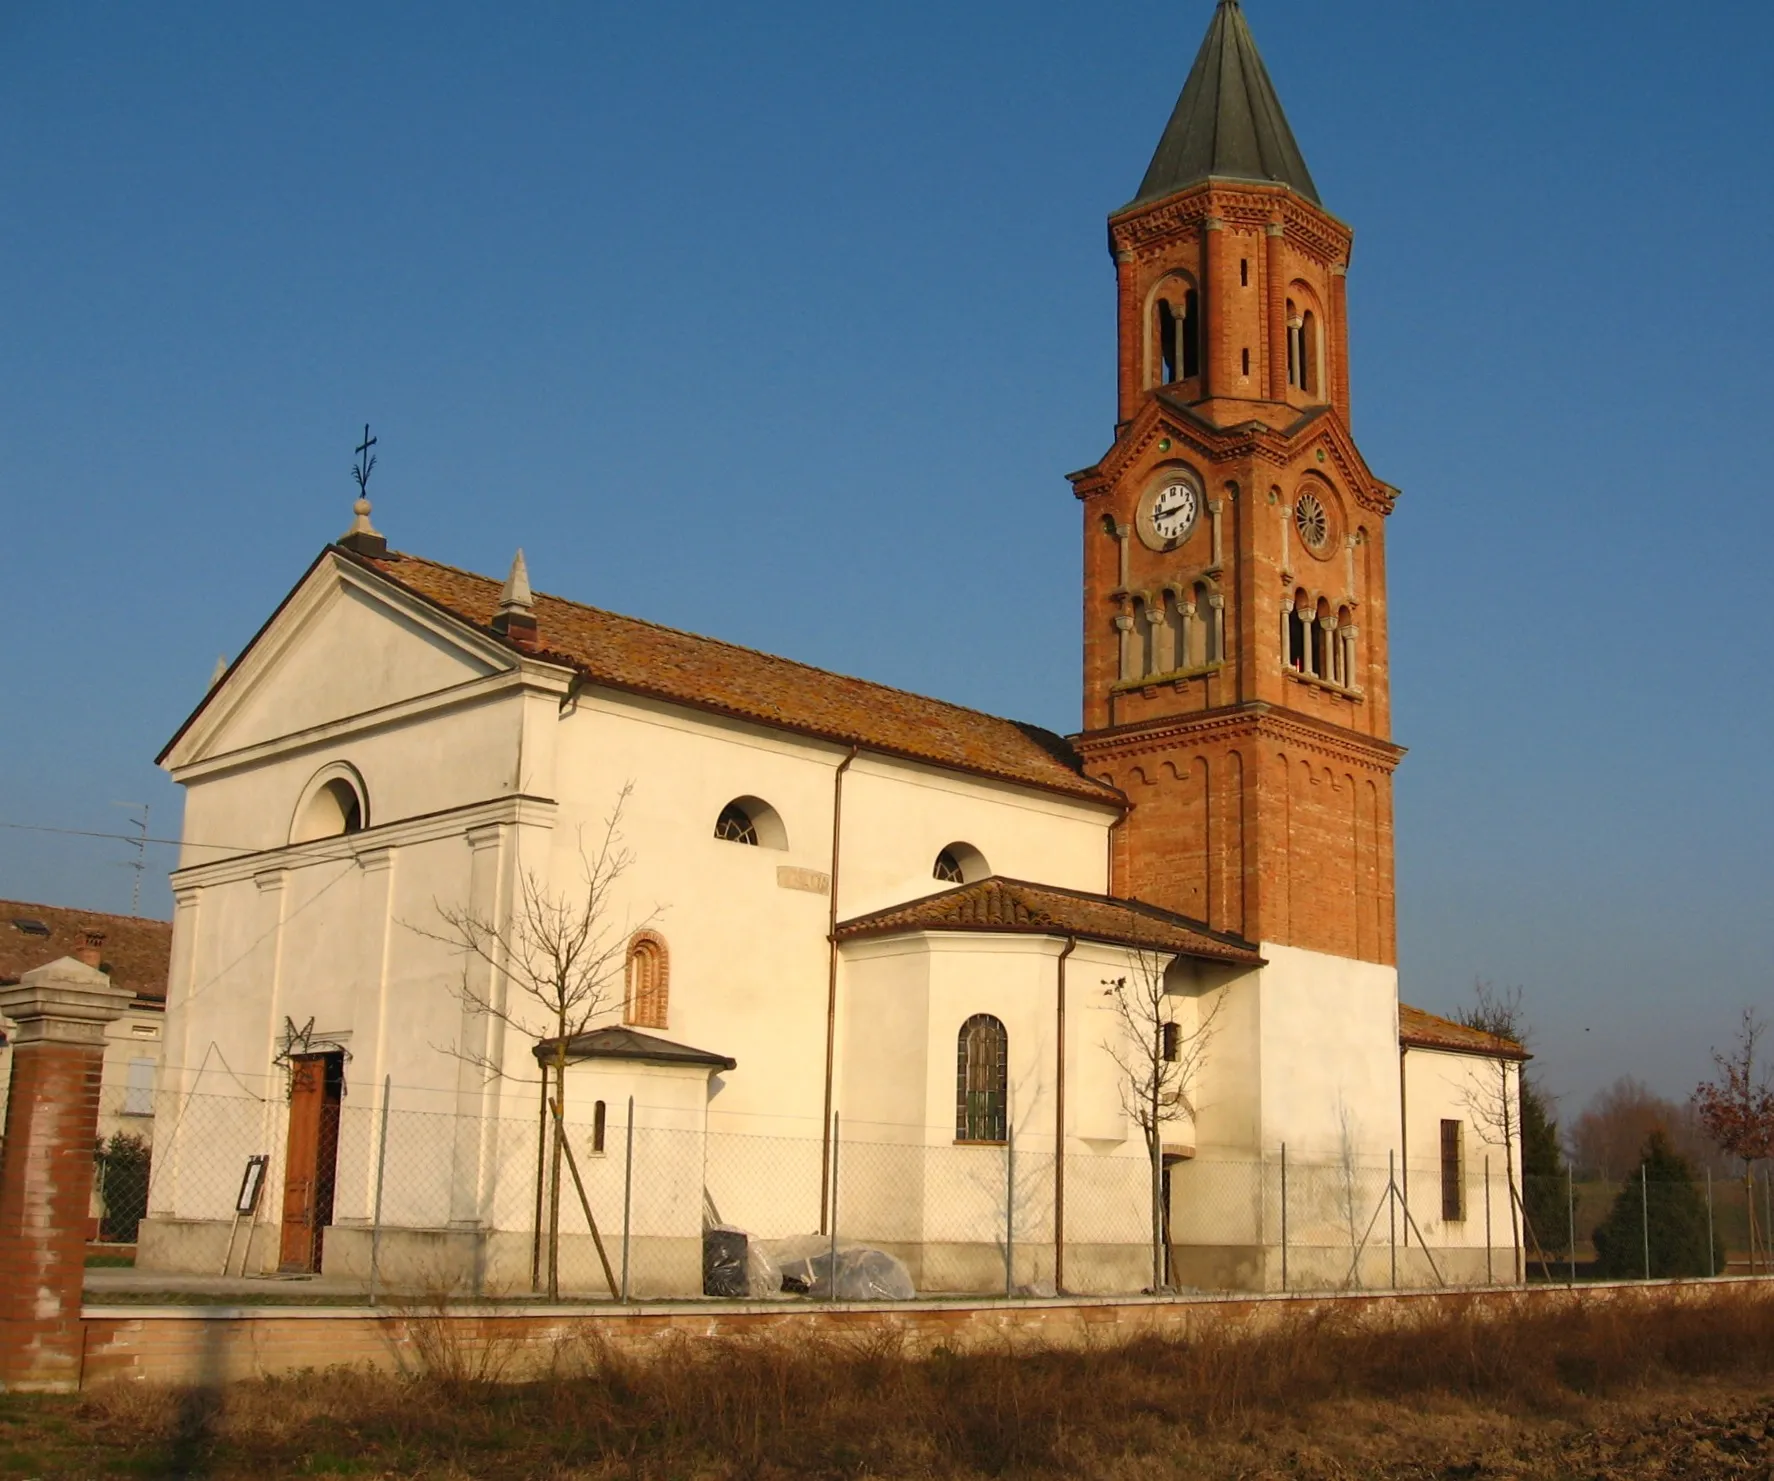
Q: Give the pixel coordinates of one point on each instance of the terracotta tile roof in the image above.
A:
(1016, 906)
(645, 658)
(1420, 1030)
(136, 953)
(629, 1044)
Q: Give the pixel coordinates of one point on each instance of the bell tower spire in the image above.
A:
(1236, 683)
(1232, 271)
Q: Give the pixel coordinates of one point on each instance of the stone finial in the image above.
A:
(516, 597)
(215, 674)
(516, 618)
(363, 537)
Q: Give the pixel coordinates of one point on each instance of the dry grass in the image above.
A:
(1321, 1393)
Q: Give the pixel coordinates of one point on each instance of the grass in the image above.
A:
(1319, 1393)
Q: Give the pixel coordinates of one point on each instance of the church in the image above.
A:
(864, 960)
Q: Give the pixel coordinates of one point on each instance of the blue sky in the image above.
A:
(785, 324)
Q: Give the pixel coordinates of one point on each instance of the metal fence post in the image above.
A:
(1711, 1268)
(1767, 1209)
(1009, 1211)
(1392, 1210)
(1284, 1216)
(832, 1276)
(1571, 1220)
(1644, 1201)
(627, 1197)
(1490, 1274)
(381, 1165)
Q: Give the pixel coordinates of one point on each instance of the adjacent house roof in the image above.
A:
(633, 1046)
(136, 952)
(1228, 123)
(1014, 906)
(1420, 1030)
(645, 658)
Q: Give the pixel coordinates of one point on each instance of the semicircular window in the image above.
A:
(735, 825)
(948, 868)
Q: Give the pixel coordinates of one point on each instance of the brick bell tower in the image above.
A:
(1235, 665)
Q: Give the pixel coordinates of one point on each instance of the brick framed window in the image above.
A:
(1453, 1171)
(646, 998)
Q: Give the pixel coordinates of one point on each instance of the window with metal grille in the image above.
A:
(948, 869)
(735, 825)
(982, 1080)
(1453, 1171)
(1171, 1043)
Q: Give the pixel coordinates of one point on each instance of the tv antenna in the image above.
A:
(139, 822)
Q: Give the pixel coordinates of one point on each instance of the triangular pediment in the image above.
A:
(1159, 422)
(343, 646)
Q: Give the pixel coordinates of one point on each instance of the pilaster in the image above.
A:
(46, 1173)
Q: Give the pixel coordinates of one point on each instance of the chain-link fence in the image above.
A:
(1647, 1227)
(651, 1202)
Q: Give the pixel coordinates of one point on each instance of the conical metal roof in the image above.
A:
(1228, 122)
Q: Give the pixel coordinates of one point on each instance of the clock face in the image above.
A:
(1174, 510)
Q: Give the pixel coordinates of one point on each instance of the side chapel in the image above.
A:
(851, 902)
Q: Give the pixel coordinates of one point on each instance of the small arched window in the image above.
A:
(982, 1081)
(1177, 328)
(961, 863)
(647, 983)
(1298, 639)
(1309, 353)
(599, 1122)
(735, 825)
(751, 820)
(1144, 637)
(335, 805)
(1296, 356)
(1345, 649)
(1209, 635)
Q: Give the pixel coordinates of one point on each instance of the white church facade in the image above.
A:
(845, 905)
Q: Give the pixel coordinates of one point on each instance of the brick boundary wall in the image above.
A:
(211, 1345)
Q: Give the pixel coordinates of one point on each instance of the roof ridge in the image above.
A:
(1134, 906)
(1143, 907)
(728, 643)
(140, 920)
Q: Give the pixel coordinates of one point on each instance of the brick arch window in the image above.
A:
(1176, 330)
(1305, 342)
(982, 1080)
(648, 981)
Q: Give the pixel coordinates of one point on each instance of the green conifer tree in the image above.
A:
(1676, 1222)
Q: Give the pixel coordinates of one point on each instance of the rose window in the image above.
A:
(1311, 521)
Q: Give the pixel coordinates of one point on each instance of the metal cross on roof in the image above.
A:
(365, 464)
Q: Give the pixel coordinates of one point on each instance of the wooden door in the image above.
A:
(309, 1159)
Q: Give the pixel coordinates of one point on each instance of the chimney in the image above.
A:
(516, 619)
(91, 944)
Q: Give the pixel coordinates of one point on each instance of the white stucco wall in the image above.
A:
(1473, 1091)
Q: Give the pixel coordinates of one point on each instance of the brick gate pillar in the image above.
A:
(46, 1165)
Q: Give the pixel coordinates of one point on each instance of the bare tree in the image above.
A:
(1608, 1139)
(1348, 1192)
(1737, 1109)
(1159, 1058)
(1494, 1102)
(548, 969)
